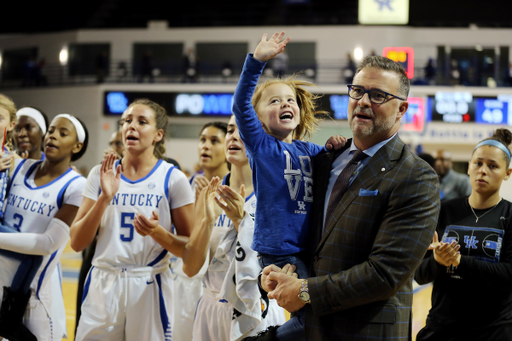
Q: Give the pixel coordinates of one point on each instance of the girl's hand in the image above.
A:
(5, 161)
(211, 211)
(446, 254)
(435, 242)
(336, 142)
(268, 284)
(267, 49)
(145, 226)
(232, 203)
(108, 180)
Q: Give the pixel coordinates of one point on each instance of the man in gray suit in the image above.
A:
(371, 223)
(453, 184)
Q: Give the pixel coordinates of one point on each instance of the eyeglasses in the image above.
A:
(376, 96)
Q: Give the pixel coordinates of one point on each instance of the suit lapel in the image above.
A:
(378, 165)
(321, 174)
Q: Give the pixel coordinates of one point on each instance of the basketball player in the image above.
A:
(42, 202)
(127, 293)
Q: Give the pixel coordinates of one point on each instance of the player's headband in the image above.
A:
(80, 131)
(33, 114)
(496, 144)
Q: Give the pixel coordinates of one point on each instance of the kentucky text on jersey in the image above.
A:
(221, 219)
(125, 199)
(30, 205)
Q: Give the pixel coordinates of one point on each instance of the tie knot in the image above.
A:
(358, 156)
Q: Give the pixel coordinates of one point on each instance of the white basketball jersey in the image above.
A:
(224, 237)
(29, 208)
(163, 189)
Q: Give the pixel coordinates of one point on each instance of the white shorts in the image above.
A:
(58, 309)
(127, 303)
(188, 292)
(36, 318)
(215, 318)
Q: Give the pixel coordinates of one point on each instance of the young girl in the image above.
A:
(273, 120)
(232, 306)
(128, 291)
(43, 199)
(473, 263)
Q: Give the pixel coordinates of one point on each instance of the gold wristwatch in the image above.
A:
(304, 292)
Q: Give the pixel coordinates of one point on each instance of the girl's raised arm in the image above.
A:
(268, 49)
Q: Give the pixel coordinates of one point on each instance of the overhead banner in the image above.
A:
(383, 12)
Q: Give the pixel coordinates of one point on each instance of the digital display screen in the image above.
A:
(403, 56)
(182, 104)
(338, 106)
(414, 118)
(205, 104)
(452, 107)
(493, 111)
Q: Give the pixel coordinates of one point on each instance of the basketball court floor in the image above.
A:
(71, 262)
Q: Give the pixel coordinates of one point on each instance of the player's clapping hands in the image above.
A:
(200, 182)
(268, 49)
(110, 179)
(211, 210)
(232, 203)
(445, 254)
(145, 226)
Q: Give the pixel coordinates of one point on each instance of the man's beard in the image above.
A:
(375, 127)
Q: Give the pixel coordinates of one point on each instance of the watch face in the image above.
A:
(304, 296)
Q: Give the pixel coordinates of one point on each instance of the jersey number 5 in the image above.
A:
(127, 236)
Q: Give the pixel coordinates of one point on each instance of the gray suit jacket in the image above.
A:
(455, 185)
(361, 285)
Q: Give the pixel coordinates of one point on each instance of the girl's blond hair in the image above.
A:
(309, 113)
(8, 104)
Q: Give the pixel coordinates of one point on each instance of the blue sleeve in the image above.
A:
(316, 149)
(249, 125)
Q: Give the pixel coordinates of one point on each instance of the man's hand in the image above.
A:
(286, 292)
(267, 49)
(269, 285)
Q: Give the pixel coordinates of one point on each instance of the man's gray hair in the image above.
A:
(387, 64)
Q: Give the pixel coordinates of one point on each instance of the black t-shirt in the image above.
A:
(478, 293)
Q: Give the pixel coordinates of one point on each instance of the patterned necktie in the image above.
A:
(341, 184)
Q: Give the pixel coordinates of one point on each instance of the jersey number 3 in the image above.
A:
(127, 223)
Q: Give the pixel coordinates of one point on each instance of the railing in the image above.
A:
(124, 71)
